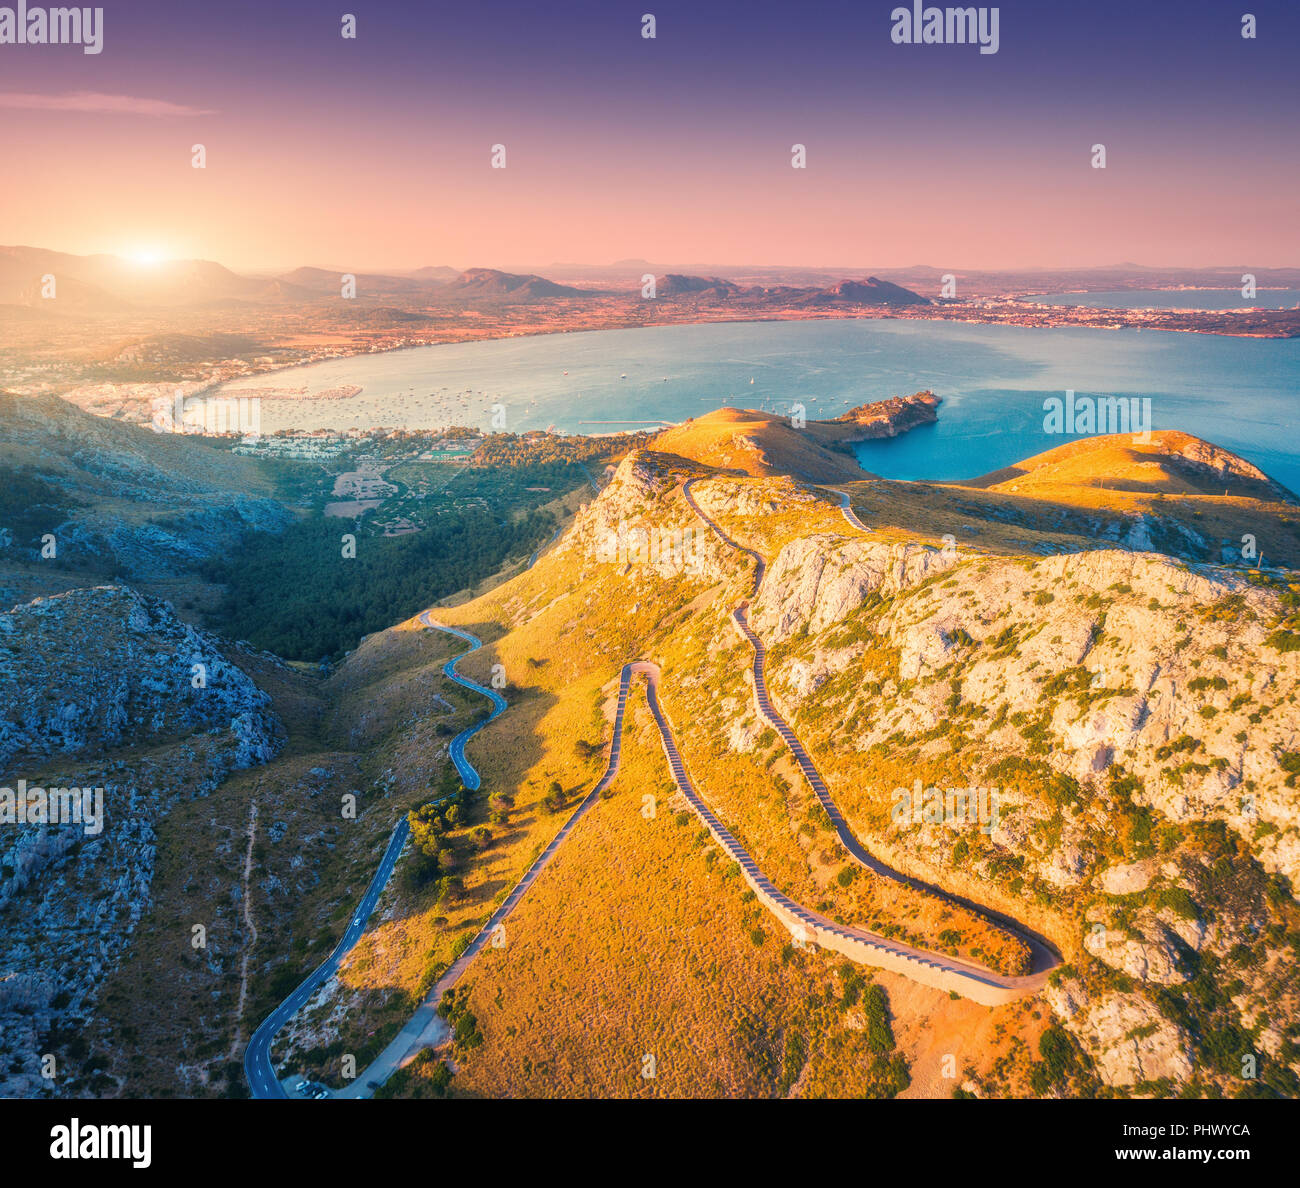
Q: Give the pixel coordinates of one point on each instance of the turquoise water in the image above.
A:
(1175, 299)
(1241, 393)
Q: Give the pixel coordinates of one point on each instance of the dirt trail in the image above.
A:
(237, 1039)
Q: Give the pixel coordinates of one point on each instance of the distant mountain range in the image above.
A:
(109, 284)
(92, 284)
(872, 291)
(105, 284)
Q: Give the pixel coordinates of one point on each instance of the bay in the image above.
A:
(1239, 393)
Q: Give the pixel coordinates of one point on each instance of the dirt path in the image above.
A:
(237, 1039)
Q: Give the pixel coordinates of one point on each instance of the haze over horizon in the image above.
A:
(133, 257)
(376, 151)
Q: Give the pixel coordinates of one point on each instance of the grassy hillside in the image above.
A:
(1122, 836)
(1064, 633)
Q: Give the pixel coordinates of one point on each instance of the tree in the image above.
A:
(555, 798)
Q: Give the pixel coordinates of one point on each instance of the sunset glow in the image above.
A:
(146, 257)
(675, 150)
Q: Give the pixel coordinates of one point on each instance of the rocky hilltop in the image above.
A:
(880, 418)
(1136, 716)
(87, 672)
(1132, 714)
(768, 444)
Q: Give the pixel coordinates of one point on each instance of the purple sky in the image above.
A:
(375, 152)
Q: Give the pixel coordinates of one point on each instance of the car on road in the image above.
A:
(301, 1085)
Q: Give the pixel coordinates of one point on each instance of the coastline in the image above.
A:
(32, 376)
(958, 314)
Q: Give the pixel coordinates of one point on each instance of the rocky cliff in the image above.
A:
(107, 690)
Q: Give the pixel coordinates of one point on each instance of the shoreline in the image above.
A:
(892, 315)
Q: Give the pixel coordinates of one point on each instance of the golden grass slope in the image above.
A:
(759, 444)
(635, 941)
(642, 967)
(1166, 495)
(1164, 461)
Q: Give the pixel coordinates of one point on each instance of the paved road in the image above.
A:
(1045, 958)
(258, 1067)
(468, 773)
(538, 552)
(846, 509)
(595, 486)
(788, 908)
(426, 1028)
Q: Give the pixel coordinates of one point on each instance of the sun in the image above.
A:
(146, 257)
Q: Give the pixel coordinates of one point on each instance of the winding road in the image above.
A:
(259, 1069)
(468, 772)
(425, 1026)
(1044, 957)
(932, 969)
(541, 548)
(846, 509)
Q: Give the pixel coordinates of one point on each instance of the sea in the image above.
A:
(1239, 393)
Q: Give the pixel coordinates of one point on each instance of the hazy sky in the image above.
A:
(375, 152)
